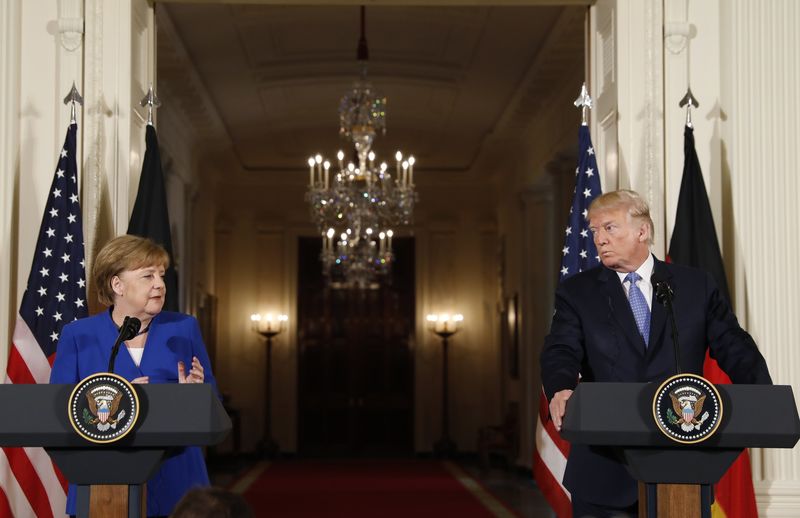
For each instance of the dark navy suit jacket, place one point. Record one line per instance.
(85, 348)
(594, 334)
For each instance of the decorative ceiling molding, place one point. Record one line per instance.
(179, 83)
(261, 80)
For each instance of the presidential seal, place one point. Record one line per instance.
(687, 408)
(103, 408)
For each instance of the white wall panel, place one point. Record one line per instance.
(9, 141)
(759, 143)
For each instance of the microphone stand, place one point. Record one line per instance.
(130, 326)
(664, 295)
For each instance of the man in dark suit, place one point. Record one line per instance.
(608, 328)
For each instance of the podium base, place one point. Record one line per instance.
(111, 501)
(674, 500)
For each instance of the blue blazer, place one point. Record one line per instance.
(594, 334)
(85, 348)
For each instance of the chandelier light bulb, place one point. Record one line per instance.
(369, 231)
(255, 317)
(398, 156)
(326, 165)
(331, 233)
(340, 155)
(411, 160)
(371, 156)
(351, 167)
(382, 235)
(384, 167)
(389, 233)
(311, 162)
(318, 159)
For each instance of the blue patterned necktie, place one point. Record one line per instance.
(641, 311)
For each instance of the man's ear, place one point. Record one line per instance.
(644, 232)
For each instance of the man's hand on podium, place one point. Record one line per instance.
(558, 405)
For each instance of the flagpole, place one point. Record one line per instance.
(584, 102)
(73, 97)
(578, 254)
(55, 295)
(150, 101)
(688, 100)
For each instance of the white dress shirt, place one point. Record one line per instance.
(645, 271)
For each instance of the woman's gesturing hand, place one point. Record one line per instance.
(195, 374)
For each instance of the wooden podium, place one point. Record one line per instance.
(111, 478)
(672, 475)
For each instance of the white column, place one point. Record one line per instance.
(120, 64)
(9, 172)
(691, 58)
(602, 58)
(47, 57)
(639, 61)
(539, 273)
(760, 67)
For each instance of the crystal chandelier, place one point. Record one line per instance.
(358, 205)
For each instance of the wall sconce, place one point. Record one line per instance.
(268, 326)
(445, 326)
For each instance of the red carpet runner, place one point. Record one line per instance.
(361, 488)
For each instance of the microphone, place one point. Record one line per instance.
(664, 291)
(129, 329)
(664, 295)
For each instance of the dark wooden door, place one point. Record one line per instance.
(355, 362)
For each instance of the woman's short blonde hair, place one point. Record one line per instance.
(124, 253)
(626, 199)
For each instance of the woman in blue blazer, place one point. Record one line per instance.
(129, 277)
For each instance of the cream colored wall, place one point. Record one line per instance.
(760, 68)
(742, 66)
(107, 49)
(255, 241)
(10, 42)
(457, 272)
(39, 65)
(532, 224)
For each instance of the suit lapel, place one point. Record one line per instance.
(621, 308)
(658, 314)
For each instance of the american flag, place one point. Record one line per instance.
(578, 254)
(30, 485)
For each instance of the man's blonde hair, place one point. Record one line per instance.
(635, 205)
(124, 253)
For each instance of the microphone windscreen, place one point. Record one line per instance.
(130, 327)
